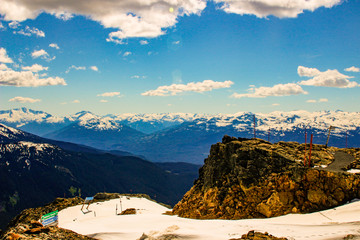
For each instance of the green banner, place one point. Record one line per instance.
(49, 215)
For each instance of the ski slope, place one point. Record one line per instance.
(103, 223)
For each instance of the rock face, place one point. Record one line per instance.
(252, 178)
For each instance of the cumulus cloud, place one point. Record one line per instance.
(144, 42)
(126, 54)
(94, 68)
(275, 104)
(352, 69)
(276, 90)
(24, 100)
(3, 67)
(35, 68)
(42, 54)
(109, 94)
(174, 89)
(1, 25)
(103, 101)
(76, 101)
(75, 68)
(278, 8)
(307, 72)
(14, 24)
(27, 79)
(54, 45)
(131, 18)
(31, 31)
(311, 101)
(323, 100)
(329, 78)
(4, 58)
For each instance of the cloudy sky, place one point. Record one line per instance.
(155, 56)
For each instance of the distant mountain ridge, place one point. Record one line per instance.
(34, 170)
(185, 137)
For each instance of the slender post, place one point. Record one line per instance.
(327, 140)
(305, 148)
(346, 133)
(311, 141)
(254, 126)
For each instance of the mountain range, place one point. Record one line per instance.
(184, 137)
(34, 171)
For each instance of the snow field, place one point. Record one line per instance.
(103, 223)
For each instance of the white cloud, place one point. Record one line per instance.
(76, 101)
(275, 104)
(352, 69)
(276, 90)
(176, 42)
(27, 79)
(311, 101)
(94, 68)
(323, 100)
(307, 72)
(329, 78)
(144, 42)
(126, 54)
(104, 101)
(24, 100)
(278, 8)
(75, 67)
(31, 31)
(174, 89)
(3, 67)
(14, 24)
(54, 45)
(1, 25)
(42, 54)
(35, 68)
(131, 18)
(138, 77)
(109, 94)
(4, 57)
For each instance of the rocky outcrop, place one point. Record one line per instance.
(27, 226)
(252, 178)
(252, 235)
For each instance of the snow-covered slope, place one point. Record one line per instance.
(276, 121)
(103, 223)
(188, 137)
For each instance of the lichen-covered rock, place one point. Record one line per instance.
(252, 178)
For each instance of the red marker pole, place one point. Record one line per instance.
(305, 148)
(311, 140)
(346, 133)
(254, 126)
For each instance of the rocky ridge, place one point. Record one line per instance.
(252, 178)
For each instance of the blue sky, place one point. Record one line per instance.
(221, 56)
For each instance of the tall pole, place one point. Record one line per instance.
(311, 140)
(346, 133)
(305, 148)
(254, 126)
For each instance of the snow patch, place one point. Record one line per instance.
(103, 223)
